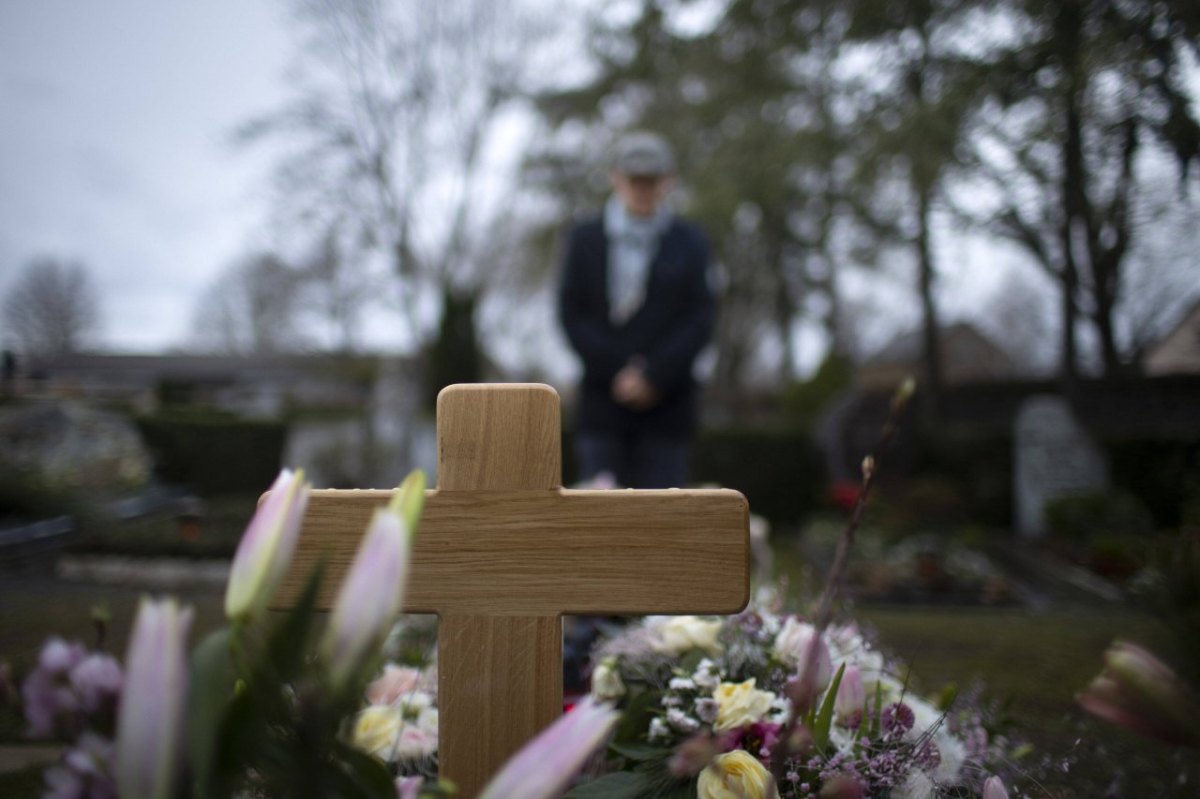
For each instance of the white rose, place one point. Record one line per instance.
(606, 680)
(678, 634)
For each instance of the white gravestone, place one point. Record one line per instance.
(1054, 457)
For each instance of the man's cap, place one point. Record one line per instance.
(644, 153)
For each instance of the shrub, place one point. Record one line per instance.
(1099, 516)
(214, 453)
(779, 470)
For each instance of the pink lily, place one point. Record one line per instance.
(544, 767)
(994, 788)
(369, 598)
(267, 546)
(150, 719)
(1138, 691)
(851, 696)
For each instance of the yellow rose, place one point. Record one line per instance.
(739, 704)
(377, 728)
(736, 775)
(678, 634)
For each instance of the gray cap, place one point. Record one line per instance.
(644, 153)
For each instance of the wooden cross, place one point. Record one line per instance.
(504, 551)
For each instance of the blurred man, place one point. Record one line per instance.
(637, 307)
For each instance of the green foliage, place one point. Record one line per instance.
(1091, 517)
(1161, 473)
(1172, 589)
(214, 453)
(780, 469)
(455, 355)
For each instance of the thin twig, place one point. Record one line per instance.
(803, 692)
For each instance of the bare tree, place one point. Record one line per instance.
(253, 308)
(52, 308)
(392, 127)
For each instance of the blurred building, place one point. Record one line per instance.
(968, 356)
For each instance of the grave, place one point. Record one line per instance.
(1053, 457)
(504, 551)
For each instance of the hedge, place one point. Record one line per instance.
(779, 470)
(214, 453)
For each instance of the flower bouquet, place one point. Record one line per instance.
(713, 707)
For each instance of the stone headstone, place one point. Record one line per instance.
(1053, 457)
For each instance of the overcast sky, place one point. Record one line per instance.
(115, 147)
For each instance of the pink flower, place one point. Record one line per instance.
(265, 551)
(368, 600)
(851, 696)
(409, 787)
(544, 767)
(798, 645)
(396, 683)
(994, 788)
(150, 720)
(1138, 691)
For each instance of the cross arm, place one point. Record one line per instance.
(547, 552)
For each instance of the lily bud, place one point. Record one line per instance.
(543, 768)
(266, 549)
(1138, 691)
(851, 695)
(151, 714)
(370, 596)
(994, 788)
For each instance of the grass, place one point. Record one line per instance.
(1036, 663)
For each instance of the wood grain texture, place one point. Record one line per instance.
(499, 437)
(503, 551)
(535, 552)
(499, 685)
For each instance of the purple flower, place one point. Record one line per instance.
(84, 773)
(96, 680)
(151, 715)
(59, 657)
(47, 696)
(898, 718)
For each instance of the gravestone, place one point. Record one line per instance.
(504, 551)
(1053, 457)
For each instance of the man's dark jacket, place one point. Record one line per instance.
(673, 324)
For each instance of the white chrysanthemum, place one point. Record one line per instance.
(917, 785)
